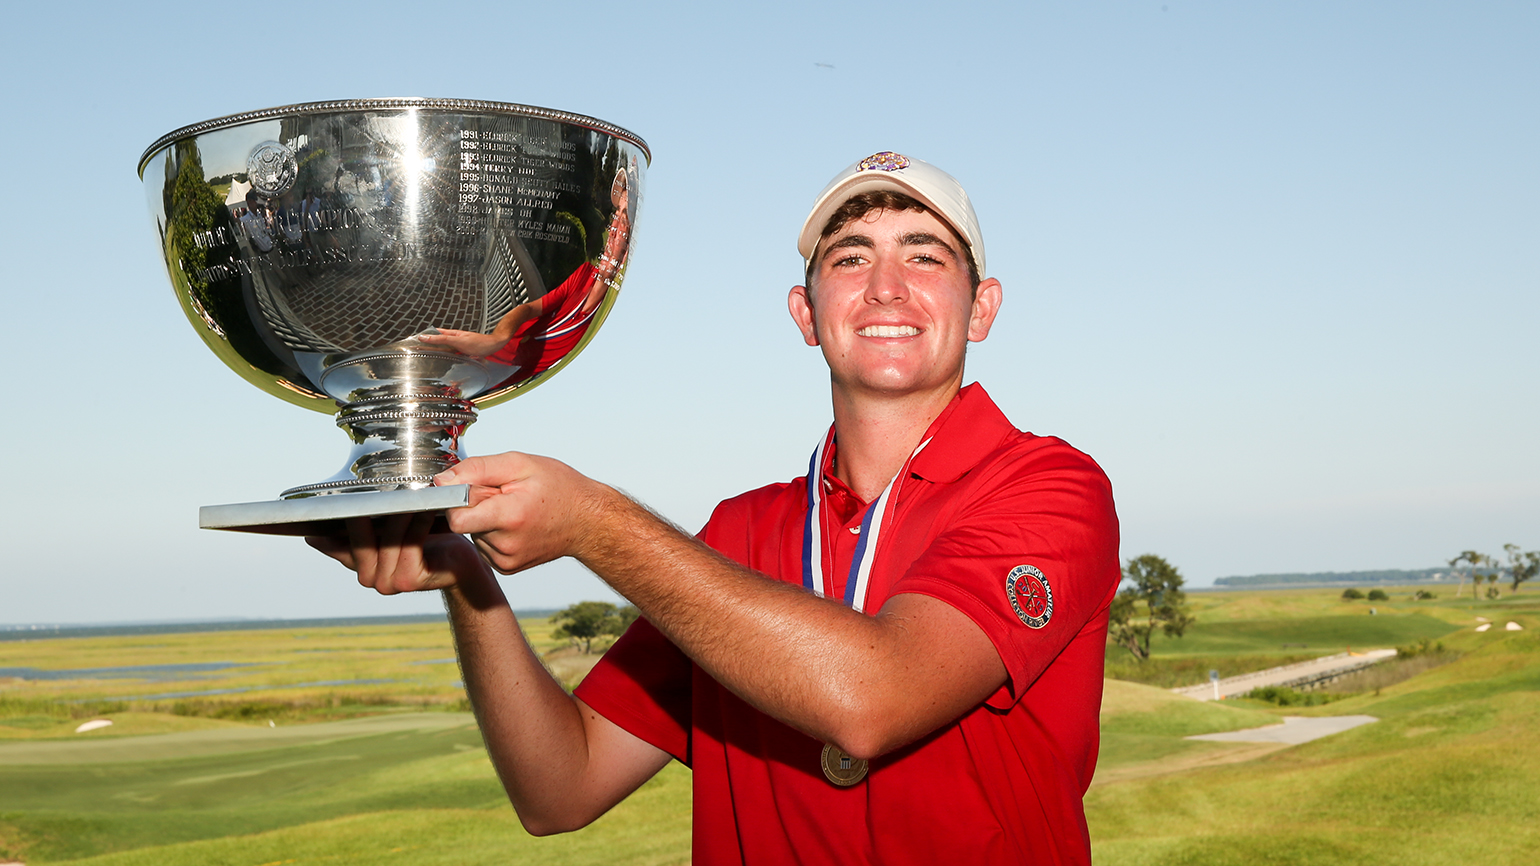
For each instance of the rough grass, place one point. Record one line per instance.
(1130, 708)
(285, 676)
(1283, 696)
(1213, 607)
(1321, 634)
(1141, 725)
(1444, 774)
(197, 779)
(1390, 672)
(1241, 632)
(1167, 671)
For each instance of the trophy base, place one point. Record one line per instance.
(327, 515)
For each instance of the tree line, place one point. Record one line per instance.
(1519, 566)
(1152, 601)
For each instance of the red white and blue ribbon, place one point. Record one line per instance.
(877, 514)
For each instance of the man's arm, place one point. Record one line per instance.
(562, 764)
(866, 684)
(479, 345)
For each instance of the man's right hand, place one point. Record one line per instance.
(472, 343)
(397, 553)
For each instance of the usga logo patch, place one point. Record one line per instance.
(1030, 595)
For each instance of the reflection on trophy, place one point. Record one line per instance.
(400, 262)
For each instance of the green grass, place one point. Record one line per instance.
(1446, 776)
(1241, 632)
(651, 827)
(297, 675)
(1253, 605)
(1326, 634)
(1129, 708)
(66, 801)
(1174, 671)
(1141, 723)
(389, 772)
(96, 801)
(183, 771)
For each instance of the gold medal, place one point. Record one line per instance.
(840, 768)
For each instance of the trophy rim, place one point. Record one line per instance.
(431, 103)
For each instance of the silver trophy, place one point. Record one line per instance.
(401, 263)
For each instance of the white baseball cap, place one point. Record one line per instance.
(937, 190)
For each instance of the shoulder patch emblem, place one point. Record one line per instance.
(1030, 595)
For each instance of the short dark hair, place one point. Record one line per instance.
(863, 203)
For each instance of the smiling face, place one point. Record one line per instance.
(893, 307)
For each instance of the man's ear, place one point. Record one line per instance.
(986, 305)
(801, 307)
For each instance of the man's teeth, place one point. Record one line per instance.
(888, 331)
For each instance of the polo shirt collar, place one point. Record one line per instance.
(964, 433)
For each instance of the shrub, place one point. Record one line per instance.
(1423, 595)
(11, 707)
(1409, 662)
(1351, 594)
(1284, 696)
(1378, 595)
(1420, 648)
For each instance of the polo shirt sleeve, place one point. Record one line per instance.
(1044, 509)
(642, 684)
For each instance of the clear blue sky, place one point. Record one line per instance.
(1275, 266)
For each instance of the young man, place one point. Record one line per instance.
(896, 659)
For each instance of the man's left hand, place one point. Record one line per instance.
(525, 510)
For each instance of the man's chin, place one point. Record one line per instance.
(899, 384)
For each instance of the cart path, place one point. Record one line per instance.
(1299, 672)
(1293, 731)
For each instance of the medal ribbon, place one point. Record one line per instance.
(858, 582)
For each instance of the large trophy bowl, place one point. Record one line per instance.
(400, 263)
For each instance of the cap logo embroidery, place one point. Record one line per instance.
(885, 161)
(1030, 596)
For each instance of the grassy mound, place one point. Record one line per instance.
(1142, 729)
(1444, 775)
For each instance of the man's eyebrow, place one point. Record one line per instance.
(926, 239)
(851, 241)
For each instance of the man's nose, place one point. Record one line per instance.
(887, 283)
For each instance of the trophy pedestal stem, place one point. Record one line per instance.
(399, 443)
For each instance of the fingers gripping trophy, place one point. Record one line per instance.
(401, 263)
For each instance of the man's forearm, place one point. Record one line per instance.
(866, 684)
(859, 683)
(537, 735)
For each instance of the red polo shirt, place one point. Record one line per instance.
(546, 339)
(1014, 530)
